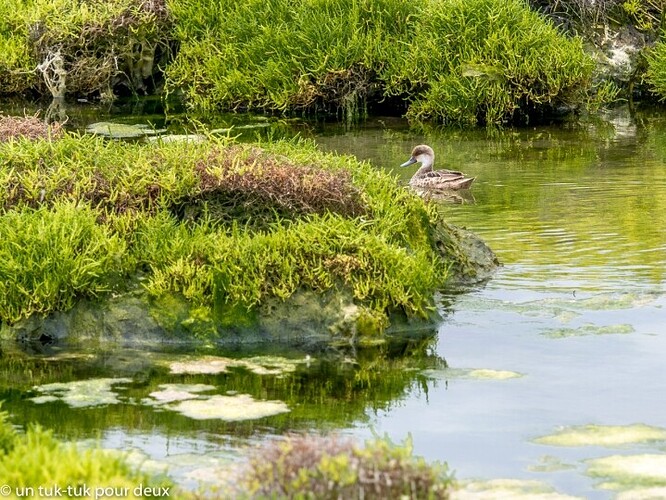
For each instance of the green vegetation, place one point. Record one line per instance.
(656, 73)
(284, 55)
(452, 61)
(224, 226)
(37, 459)
(317, 467)
(68, 47)
(484, 60)
(50, 259)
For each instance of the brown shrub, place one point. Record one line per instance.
(30, 127)
(254, 177)
(331, 468)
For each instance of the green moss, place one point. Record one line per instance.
(81, 217)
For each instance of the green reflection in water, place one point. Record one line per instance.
(579, 203)
(320, 391)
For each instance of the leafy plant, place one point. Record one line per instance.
(488, 61)
(326, 467)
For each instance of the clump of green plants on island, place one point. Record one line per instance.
(656, 74)
(223, 225)
(36, 459)
(328, 467)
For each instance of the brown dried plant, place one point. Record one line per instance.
(253, 177)
(29, 127)
(333, 468)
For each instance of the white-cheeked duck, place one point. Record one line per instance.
(426, 177)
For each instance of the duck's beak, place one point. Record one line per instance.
(409, 162)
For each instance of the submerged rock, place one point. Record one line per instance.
(307, 319)
(472, 259)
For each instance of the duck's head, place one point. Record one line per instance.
(421, 154)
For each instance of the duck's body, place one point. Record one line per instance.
(427, 178)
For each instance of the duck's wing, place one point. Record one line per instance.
(461, 183)
(447, 175)
(442, 174)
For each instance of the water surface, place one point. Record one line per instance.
(570, 332)
(577, 215)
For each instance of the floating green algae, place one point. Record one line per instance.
(487, 374)
(259, 365)
(170, 393)
(588, 329)
(564, 308)
(81, 393)
(550, 463)
(514, 489)
(178, 138)
(234, 408)
(121, 130)
(655, 493)
(627, 472)
(471, 373)
(603, 435)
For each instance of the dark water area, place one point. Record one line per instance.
(551, 373)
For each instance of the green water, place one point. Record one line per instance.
(577, 214)
(570, 332)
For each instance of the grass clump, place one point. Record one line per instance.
(490, 62)
(221, 269)
(283, 55)
(454, 61)
(16, 61)
(36, 458)
(251, 177)
(656, 73)
(323, 467)
(225, 226)
(49, 259)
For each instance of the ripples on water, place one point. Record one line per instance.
(578, 217)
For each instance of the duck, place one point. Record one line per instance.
(426, 177)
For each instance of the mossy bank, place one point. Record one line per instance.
(453, 61)
(208, 235)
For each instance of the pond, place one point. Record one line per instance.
(539, 375)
